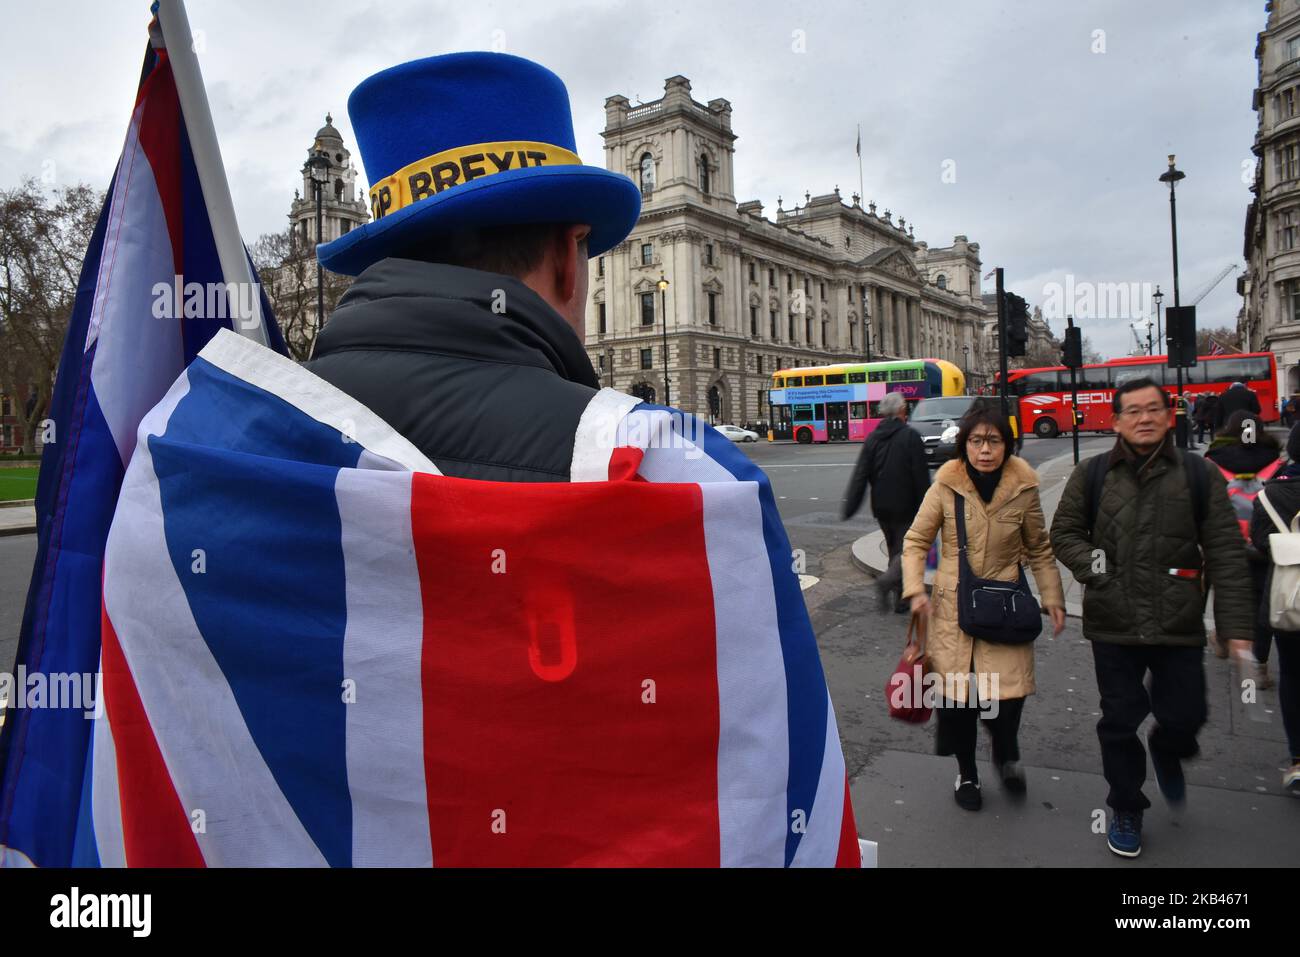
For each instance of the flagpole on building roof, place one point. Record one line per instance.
(862, 196)
(235, 267)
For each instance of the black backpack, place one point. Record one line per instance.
(1194, 468)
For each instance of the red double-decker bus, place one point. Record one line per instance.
(1044, 394)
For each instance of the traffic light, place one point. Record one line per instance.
(1017, 325)
(1072, 353)
(1180, 336)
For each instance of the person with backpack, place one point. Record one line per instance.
(892, 462)
(1146, 528)
(1276, 518)
(1248, 456)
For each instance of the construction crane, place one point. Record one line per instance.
(1213, 282)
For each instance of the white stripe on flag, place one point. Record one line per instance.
(182, 688)
(314, 396)
(593, 442)
(753, 739)
(819, 845)
(138, 356)
(105, 800)
(382, 649)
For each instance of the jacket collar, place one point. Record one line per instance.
(1017, 475)
(409, 306)
(1123, 452)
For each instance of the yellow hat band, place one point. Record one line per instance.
(441, 171)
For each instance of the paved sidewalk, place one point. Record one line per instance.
(17, 518)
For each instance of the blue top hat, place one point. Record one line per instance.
(473, 139)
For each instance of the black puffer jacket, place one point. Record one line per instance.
(484, 393)
(892, 462)
(1233, 400)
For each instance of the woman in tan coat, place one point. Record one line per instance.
(1004, 528)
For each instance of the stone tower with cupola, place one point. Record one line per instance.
(343, 206)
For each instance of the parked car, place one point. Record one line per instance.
(936, 419)
(737, 434)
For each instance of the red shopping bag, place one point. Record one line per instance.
(905, 688)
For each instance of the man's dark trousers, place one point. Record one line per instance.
(1177, 699)
(892, 579)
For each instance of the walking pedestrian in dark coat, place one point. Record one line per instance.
(1238, 398)
(892, 462)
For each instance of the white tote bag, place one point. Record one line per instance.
(1284, 592)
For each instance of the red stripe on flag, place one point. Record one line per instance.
(850, 855)
(155, 826)
(552, 615)
(160, 138)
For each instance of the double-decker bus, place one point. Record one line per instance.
(1044, 393)
(837, 403)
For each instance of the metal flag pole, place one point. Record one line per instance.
(235, 267)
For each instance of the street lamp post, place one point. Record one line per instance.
(663, 307)
(320, 172)
(1158, 297)
(1171, 176)
(965, 364)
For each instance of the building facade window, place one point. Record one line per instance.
(647, 174)
(1286, 229)
(647, 309)
(708, 253)
(1291, 300)
(600, 266)
(647, 359)
(1287, 106)
(600, 318)
(758, 364)
(772, 319)
(753, 321)
(771, 278)
(713, 308)
(751, 272)
(647, 254)
(1286, 161)
(717, 358)
(1293, 48)
(704, 173)
(791, 328)
(942, 283)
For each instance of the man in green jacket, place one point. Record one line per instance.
(1132, 530)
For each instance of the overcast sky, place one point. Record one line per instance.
(1056, 117)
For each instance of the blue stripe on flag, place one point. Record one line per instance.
(267, 526)
(806, 695)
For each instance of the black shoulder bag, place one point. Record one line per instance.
(1005, 613)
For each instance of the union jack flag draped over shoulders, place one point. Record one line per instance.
(320, 651)
(165, 269)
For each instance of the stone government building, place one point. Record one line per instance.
(1270, 317)
(828, 281)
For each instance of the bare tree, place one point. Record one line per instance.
(1230, 339)
(287, 268)
(43, 241)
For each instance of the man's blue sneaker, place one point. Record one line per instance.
(1125, 836)
(1169, 776)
